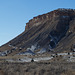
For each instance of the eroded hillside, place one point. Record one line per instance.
(51, 32)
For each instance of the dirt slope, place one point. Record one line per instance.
(52, 31)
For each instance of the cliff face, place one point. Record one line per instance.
(49, 16)
(54, 31)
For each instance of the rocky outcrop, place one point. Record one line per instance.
(65, 13)
(54, 31)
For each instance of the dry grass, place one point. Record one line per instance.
(38, 68)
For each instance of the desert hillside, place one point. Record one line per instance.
(46, 47)
(53, 31)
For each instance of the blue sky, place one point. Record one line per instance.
(14, 14)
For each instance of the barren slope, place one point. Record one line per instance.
(52, 31)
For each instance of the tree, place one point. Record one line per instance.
(32, 60)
